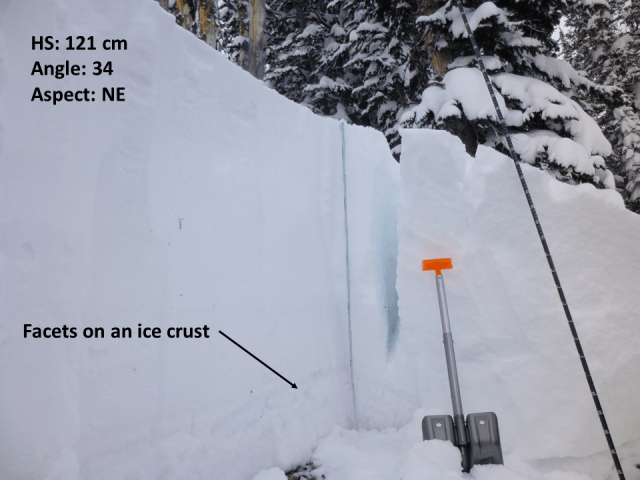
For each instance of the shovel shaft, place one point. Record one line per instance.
(452, 371)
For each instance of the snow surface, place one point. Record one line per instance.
(207, 198)
(400, 454)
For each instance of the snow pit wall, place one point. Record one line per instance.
(514, 349)
(203, 199)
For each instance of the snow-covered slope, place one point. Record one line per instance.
(203, 199)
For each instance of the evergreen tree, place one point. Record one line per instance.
(297, 32)
(257, 39)
(234, 37)
(604, 41)
(361, 60)
(549, 128)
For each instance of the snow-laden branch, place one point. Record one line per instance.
(475, 17)
(547, 123)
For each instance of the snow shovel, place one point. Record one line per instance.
(478, 439)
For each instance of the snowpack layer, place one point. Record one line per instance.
(203, 199)
(515, 352)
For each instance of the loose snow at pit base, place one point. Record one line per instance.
(207, 198)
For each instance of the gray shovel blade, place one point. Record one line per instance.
(484, 439)
(438, 427)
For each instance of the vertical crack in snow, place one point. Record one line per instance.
(346, 233)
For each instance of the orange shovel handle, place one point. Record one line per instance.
(437, 264)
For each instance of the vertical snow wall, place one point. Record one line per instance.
(203, 199)
(514, 350)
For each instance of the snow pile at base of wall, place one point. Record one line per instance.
(202, 199)
(514, 349)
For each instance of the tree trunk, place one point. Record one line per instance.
(242, 13)
(302, 22)
(257, 38)
(184, 17)
(207, 26)
(440, 59)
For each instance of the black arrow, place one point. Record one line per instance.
(293, 385)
